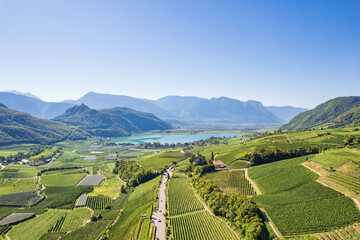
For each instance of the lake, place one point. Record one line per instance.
(172, 138)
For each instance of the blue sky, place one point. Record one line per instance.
(298, 53)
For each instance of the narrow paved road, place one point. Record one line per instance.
(160, 218)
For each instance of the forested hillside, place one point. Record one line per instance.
(18, 127)
(337, 112)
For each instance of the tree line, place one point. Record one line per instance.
(133, 173)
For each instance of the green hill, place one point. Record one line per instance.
(113, 122)
(19, 127)
(337, 112)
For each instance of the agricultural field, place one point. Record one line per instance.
(188, 217)
(21, 199)
(133, 204)
(200, 225)
(238, 164)
(82, 200)
(110, 187)
(91, 180)
(17, 185)
(160, 160)
(42, 222)
(181, 198)
(68, 199)
(98, 202)
(232, 182)
(291, 195)
(16, 217)
(62, 179)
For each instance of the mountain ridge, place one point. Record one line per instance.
(114, 122)
(336, 112)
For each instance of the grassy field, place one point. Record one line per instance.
(62, 179)
(109, 187)
(296, 203)
(232, 182)
(181, 198)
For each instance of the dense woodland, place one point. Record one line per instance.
(132, 173)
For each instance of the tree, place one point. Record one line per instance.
(212, 156)
(122, 189)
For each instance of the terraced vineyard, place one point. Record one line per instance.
(181, 197)
(98, 202)
(200, 225)
(348, 181)
(232, 182)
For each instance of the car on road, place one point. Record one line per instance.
(159, 220)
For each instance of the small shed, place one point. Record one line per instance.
(219, 165)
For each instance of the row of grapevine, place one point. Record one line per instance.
(68, 199)
(200, 225)
(350, 232)
(232, 182)
(181, 197)
(4, 229)
(98, 202)
(57, 226)
(348, 181)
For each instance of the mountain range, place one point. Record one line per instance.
(113, 122)
(174, 109)
(337, 112)
(19, 127)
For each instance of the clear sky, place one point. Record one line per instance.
(281, 52)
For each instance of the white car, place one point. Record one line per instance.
(159, 220)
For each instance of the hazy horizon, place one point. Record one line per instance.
(280, 53)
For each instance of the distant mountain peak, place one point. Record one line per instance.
(28, 94)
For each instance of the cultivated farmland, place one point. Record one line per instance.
(82, 200)
(200, 225)
(296, 203)
(232, 182)
(15, 218)
(21, 199)
(181, 197)
(92, 180)
(98, 202)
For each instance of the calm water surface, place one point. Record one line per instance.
(172, 138)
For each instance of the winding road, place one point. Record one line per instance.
(160, 218)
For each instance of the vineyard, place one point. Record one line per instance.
(347, 181)
(296, 203)
(200, 225)
(57, 226)
(98, 202)
(181, 197)
(4, 229)
(68, 199)
(350, 232)
(232, 182)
